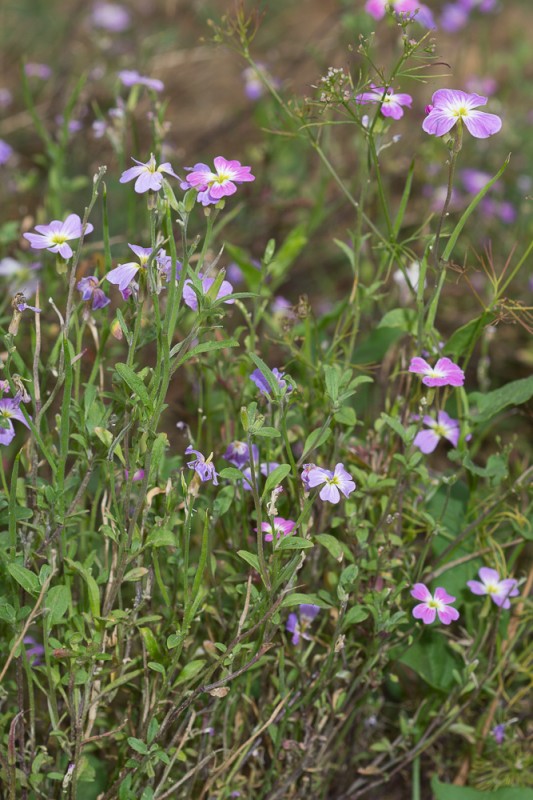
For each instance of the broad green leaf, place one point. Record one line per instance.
(447, 791)
(161, 537)
(189, 671)
(135, 574)
(298, 598)
(138, 745)
(250, 559)
(57, 602)
(316, 439)
(345, 416)
(375, 347)
(489, 404)
(231, 473)
(266, 432)
(134, 382)
(294, 543)
(275, 478)
(331, 544)
(28, 580)
(464, 338)
(431, 659)
(355, 615)
(403, 318)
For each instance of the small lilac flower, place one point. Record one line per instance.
(334, 482)
(451, 105)
(499, 733)
(214, 186)
(391, 102)
(262, 384)
(56, 234)
(503, 210)
(454, 17)
(73, 126)
(34, 651)
(90, 290)
(4, 386)
(444, 427)
(307, 612)
(148, 175)
(238, 453)
(6, 151)
(111, 17)
(189, 295)
(123, 275)
(433, 604)
(486, 86)
(25, 307)
(281, 527)
(444, 373)
(10, 409)
(498, 590)
(203, 467)
(306, 469)
(421, 13)
(253, 85)
(130, 77)
(6, 98)
(34, 70)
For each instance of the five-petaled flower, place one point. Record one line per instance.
(149, 176)
(391, 103)
(90, 291)
(190, 297)
(448, 106)
(433, 604)
(281, 527)
(56, 234)
(444, 427)
(203, 467)
(10, 409)
(298, 627)
(334, 482)
(498, 590)
(214, 186)
(444, 373)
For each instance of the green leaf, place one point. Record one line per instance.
(316, 439)
(134, 382)
(161, 537)
(375, 347)
(275, 478)
(331, 544)
(203, 347)
(250, 559)
(345, 416)
(491, 403)
(252, 275)
(223, 501)
(355, 615)
(403, 318)
(298, 598)
(57, 602)
(431, 659)
(28, 580)
(189, 671)
(268, 433)
(267, 374)
(231, 473)
(287, 253)
(135, 574)
(294, 543)
(138, 745)
(465, 337)
(447, 791)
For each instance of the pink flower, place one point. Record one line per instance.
(214, 186)
(498, 591)
(149, 175)
(444, 427)
(451, 105)
(334, 482)
(130, 77)
(444, 373)
(282, 527)
(420, 12)
(54, 237)
(391, 103)
(433, 604)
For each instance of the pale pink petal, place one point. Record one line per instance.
(482, 125)
(476, 587)
(425, 613)
(131, 173)
(421, 592)
(419, 365)
(448, 614)
(438, 122)
(426, 441)
(442, 595)
(488, 575)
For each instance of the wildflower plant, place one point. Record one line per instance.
(236, 558)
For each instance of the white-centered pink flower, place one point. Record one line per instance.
(421, 13)
(449, 106)
(498, 590)
(213, 186)
(444, 427)
(391, 103)
(54, 237)
(281, 527)
(433, 605)
(444, 373)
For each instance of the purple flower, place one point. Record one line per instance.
(307, 613)
(443, 427)
(214, 186)
(203, 467)
(281, 527)
(34, 651)
(123, 275)
(334, 482)
(138, 475)
(130, 77)
(6, 151)
(253, 85)
(111, 17)
(391, 103)
(238, 453)
(90, 290)
(149, 176)
(306, 469)
(499, 733)
(189, 295)
(34, 70)
(10, 409)
(444, 373)
(498, 590)
(420, 12)
(6, 98)
(25, 307)
(451, 105)
(262, 384)
(433, 604)
(54, 237)
(454, 17)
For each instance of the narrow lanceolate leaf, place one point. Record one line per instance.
(134, 382)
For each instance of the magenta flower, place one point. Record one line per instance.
(444, 427)
(130, 77)
(433, 604)
(10, 409)
(149, 177)
(90, 291)
(444, 373)
(334, 482)
(421, 13)
(262, 384)
(138, 475)
(214, 186)
(298, 627)
(111, 17)
(391, 103)
(499, 733)
(203, 467)
(189, 295)
(238, 453)
(450, 105)
(54, 237)
(281, 527)
(34, 70)
(498, 590)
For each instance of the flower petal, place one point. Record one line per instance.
(482, 125)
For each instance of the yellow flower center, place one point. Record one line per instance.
(462, 111)
(59, 238)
